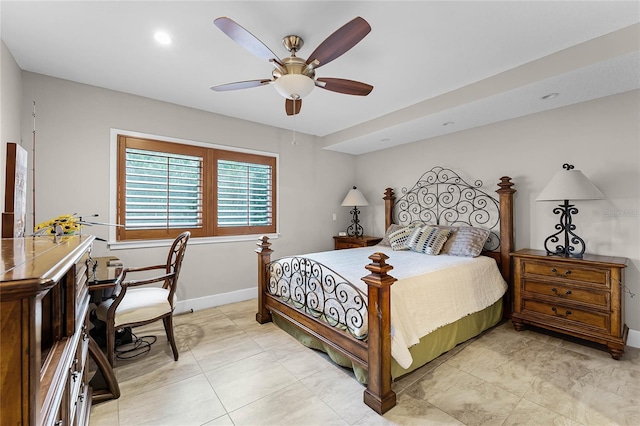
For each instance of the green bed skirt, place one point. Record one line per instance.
(430, 347)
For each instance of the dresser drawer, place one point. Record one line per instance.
(584, 274)
(569, 315)
(81, 277)
(78, 382)
(598, 299)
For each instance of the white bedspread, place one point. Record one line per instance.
(431, 291)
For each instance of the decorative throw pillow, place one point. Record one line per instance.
(392, 228)
(466, 241)
(428, 239)
(398, 239)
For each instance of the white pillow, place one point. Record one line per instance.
(465, 241)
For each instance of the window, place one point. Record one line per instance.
(165, 188)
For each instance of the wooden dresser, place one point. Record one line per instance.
(346, 242)
(44, 330)
(579, 297)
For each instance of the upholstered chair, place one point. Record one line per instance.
(137, 303)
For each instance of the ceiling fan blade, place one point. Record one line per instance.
(239, 85)
(244, 38)
(340, 41)
(290, 104)
(340, 85)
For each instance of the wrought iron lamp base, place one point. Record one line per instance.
(573, 245)
(355, 230)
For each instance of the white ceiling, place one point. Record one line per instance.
(430, 62)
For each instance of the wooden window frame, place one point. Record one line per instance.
(245, 158)
(209, 184)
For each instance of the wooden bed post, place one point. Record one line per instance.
(507, 243)
(264, 258)
(389, 202)
(379, 395)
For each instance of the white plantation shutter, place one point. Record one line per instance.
(244, 194)
(163, 190)
(167, 187)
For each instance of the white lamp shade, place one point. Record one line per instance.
(354, 198)
(570, 185)
(294, 86)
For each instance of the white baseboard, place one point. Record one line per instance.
(634, 339)
(199, 303)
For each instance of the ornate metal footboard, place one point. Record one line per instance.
(319, 291)
(297, 294)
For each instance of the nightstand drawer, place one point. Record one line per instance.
(346, 242)
(598, 276)
(345, 245)
(594, 319)
(589, 296)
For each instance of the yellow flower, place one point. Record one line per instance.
(68, 223)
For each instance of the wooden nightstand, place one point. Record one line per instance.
(353, 242)
(579, 297)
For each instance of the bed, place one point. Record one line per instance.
(324, 300)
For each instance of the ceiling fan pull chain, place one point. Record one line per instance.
(294, 142)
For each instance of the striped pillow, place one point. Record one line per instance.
(428, 239)
(398, 239)
(392, 228)
(467, 241)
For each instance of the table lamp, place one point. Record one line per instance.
(355, 199)
(567, 184)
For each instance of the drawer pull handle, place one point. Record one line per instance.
(566, 314)
(555, 271)
(555, 291)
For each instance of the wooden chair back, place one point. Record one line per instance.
(174, 262)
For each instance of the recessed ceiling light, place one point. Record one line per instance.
(550, 96)
(448, 123)
(162, 37)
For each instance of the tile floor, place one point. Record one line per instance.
(233, 371)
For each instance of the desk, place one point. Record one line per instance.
(105, 272)
(103, 276)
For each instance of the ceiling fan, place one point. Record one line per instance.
(294, 77)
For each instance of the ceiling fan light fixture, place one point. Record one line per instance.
(162, 37)
(294, 86)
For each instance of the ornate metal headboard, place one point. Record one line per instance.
(442, 197)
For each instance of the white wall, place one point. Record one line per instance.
(601, 138)
(72, 176)
(10, 106)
